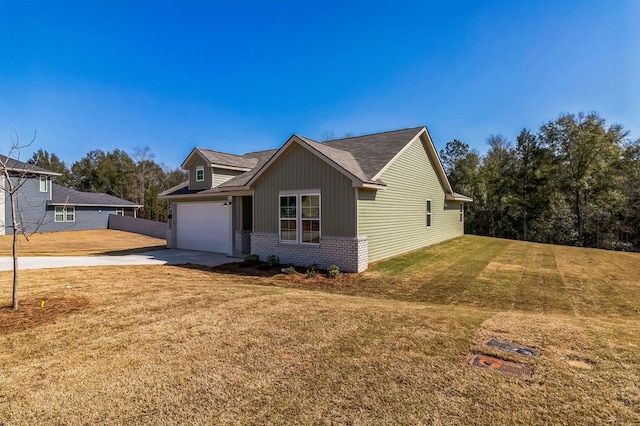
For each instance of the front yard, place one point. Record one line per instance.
(81, 243)
(167, 345)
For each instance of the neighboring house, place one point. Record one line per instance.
(347, 202)
(44, 206)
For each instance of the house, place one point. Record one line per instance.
(347, 202)
(45, 206)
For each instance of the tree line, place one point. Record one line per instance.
(136, 177)
(576, 181)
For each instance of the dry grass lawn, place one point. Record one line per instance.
(81, 243)
(178, 345)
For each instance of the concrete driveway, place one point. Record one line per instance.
(159, 257)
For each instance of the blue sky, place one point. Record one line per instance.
(241, 76)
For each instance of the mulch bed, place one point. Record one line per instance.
(262, 269)
(31, 313)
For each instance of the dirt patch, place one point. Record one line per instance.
(491, 363)
(35, 312)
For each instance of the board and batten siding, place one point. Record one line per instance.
(300, 169)
(394, 219)
(220, 176)
(208, 174)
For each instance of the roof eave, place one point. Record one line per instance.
(369, 185)
(70, 203)
(458, 197)
(226, 167)
(35, 172)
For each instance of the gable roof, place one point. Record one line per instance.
(61, 195)
(222, 159)
(14, 165)
(361, 158)
(373, 152)
(365, 158)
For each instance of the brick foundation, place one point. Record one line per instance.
(350, 254)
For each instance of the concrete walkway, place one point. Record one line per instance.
(159, 257)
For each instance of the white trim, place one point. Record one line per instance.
(295, 139)
(64, 211)
(294, 219)
(45, 180)
(319, 218)
(372, 186)
(398, 154)
(461, 212)
(196, 151)
(431, 152)
(201, 169)
(125, 206)
(298, 194)
(225, 167)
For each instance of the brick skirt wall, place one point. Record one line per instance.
(243, 242)
(350, 254)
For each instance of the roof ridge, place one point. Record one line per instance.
(220, 152)
(373, 134)
(262, 150)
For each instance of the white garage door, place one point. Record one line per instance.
(203, 226)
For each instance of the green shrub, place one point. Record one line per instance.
(273, 260)
(251, 259)
(312, 271)
(333, 271)
(288, 270)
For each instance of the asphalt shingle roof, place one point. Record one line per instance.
(63, 195)
(19, 166)
(362, 156)
(224, 159)
(373, 152)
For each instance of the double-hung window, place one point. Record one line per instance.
(43, 184)
(65, 214)
(300, 218)
(289, 218)
(461, 212)
(199, 173)
(310, 218)
(428, 213)
(119, 211)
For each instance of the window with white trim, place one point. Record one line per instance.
(199, 173)
(428, 213)
(310, 218)
(65, 214)
(300, 218)
(119, 212)
(288, 218)
(461, 212)
(43, 184)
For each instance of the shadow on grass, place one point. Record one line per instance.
(136, 250)
(238, 268)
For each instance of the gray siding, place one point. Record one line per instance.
(208, 174)
(394, 219)
(220, 176)
(299, 169)
(31, 205)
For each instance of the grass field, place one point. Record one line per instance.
(167, 345)
(80, 243)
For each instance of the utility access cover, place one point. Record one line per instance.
(512, 347)
(484, 361)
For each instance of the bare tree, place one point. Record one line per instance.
(14, 174)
